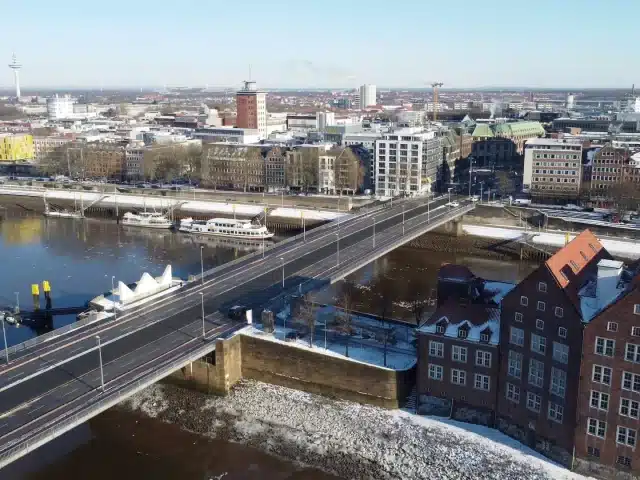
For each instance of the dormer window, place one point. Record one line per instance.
(441, 327)
(485, 335)
(463, 332)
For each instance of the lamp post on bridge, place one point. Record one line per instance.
(282, 260)
(6, 347)
(481, 187)
(202, 264)
(113, 294)
(338, 249)
(202, 304)
(449, 190)
(471, 162)
(100, 359)
(374, 232)
(403, 219)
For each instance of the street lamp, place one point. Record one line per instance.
(471, 162)
(201, 265)
(282, 260)
(6, 346)
(202, 304)
(100, 358)
(338, 249)
(403, 218)
(449, 190)
(17, 302)
(374, 232)
(113, 294)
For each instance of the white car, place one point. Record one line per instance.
(474, 198)
(453, 204)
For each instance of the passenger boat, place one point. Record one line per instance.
(225, 227)
(146, 220)
(62, 214)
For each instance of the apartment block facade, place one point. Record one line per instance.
(552, 168)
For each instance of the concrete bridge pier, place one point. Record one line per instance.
(454, 227)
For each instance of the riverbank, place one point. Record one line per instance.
(344, 438)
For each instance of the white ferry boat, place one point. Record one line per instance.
(225, 227)
(147, 220)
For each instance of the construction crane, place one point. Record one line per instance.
(436, 86)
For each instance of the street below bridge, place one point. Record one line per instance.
(62, 377)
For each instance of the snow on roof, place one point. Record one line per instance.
(476, 319)
(499, 289)
(455, 273)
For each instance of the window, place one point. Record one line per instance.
(562, 332)
(541, 306)
(612, 327)
(593, 452)
(626, 436)
(462, 333)
(539, 324)
(605, 346)
(635, 331)
(524, 301)
(555, 412)
(629, 408)
(458, 377)
(542, 287)
(440, 328)
(515, 364)
(483, 359)
(632, 353)
(561, 352)
(459, 354)
(599, 400)
(631, 382)
(636, 309)
(558, 381)
(481, 382)
(597, 428)
(518, 317)
(538, 344)
(517, 336)
(623, 461)
(513, 393)
(533, 401)
(436, 349)
(536, 372)
(485, 337)
(435, 372)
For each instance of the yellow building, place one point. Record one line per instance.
(16, 147)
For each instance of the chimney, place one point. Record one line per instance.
(609, 272)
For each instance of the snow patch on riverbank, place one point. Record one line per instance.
(349, 439)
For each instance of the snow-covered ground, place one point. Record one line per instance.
(623, 248)
(162, 203)
(350, 440)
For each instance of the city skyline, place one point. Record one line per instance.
(292, 45)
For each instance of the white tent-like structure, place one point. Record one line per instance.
(146, 287)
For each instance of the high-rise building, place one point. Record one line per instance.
(251, 105)
(553, 167)
(367, 96)
(59, 107)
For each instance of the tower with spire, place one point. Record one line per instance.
(15, 66)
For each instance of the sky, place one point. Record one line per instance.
(321, 43)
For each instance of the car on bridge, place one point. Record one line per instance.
(453, 204)
(237, 312)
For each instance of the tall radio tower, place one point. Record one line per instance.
(15, 66)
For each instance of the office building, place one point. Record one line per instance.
(251, 105)
(367, 96)
(608, 170)
(60, 107)
(553, 168)
(227, 134)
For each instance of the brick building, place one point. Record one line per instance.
(541, 344)
(609, 399)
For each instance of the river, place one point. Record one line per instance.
(79, 259)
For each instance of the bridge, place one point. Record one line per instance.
(54, 383)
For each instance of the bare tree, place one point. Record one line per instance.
(384, 292)
(346, 299)
(418, 297)
(307, 316)
(193, 162)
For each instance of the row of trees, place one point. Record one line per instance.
(385, 292)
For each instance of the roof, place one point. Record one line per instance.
(455, 273)
(519, 129)
(476, 318)
(482, 130)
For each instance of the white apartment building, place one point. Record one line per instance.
(60, 107)
(407, 162)
(368, 141)
(326, 174)
(552, 167)
(367, 96)
(134, 158)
